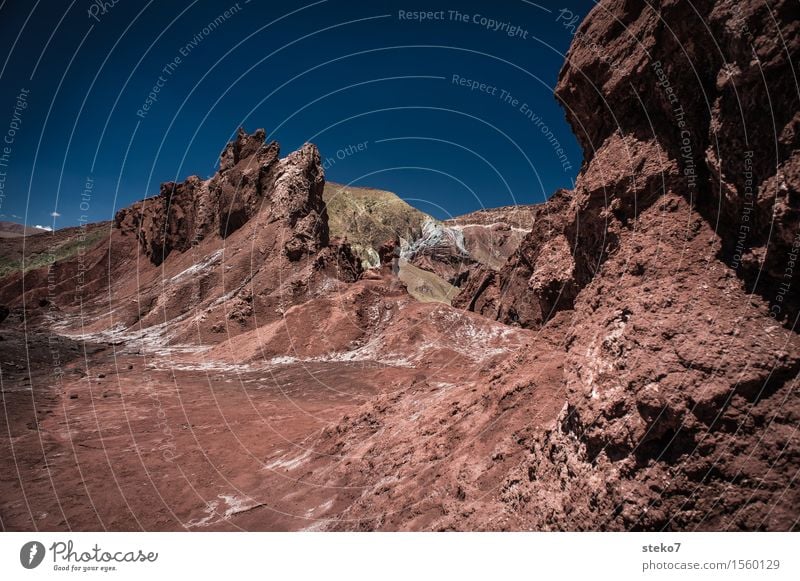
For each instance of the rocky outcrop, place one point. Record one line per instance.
(389, 255)
(227, 253)
(685, 111)
(721, 105)
(251, 178)
(492, 235)
(537, 280)
(658, 392)
(240, 248)
(681, 385)
(477, 242)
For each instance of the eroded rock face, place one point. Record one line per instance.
(247, 174)
(538, 279)
(296, 198)
(723, 106)
(252, 178)
(679, 394)
(714, 115)
(389, 253)
(681, 387)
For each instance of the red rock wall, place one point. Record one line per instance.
(681, 387)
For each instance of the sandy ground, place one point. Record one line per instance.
(153, 446)
(133, 436)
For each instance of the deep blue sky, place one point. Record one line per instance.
(337, 73)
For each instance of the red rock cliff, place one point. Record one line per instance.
(681, 384)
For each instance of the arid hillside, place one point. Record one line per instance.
(15, 230)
